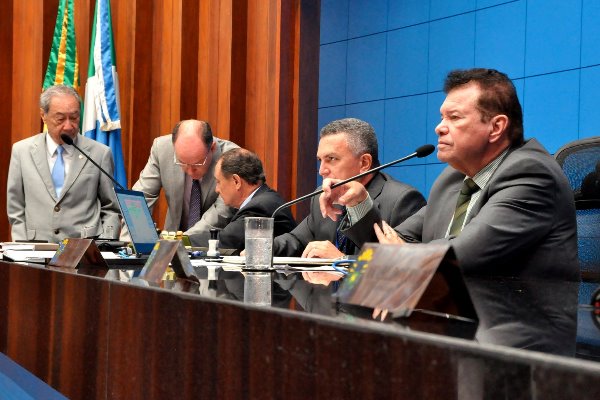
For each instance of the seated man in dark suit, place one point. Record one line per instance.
(515, 214)
(240, 181)
(347, 147)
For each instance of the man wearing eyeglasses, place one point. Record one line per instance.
(53, 192)
(183, 165)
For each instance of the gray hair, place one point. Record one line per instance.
(56, 90)
(360, 136)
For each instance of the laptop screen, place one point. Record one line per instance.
(138, 220)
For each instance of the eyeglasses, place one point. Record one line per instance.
(184, 165)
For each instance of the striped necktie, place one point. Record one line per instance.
(58, 172)
(341, 241)
(462, 204)
(195, 204)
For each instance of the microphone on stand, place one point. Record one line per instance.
(422, 151)
(68, 140)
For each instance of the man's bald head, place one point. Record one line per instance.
(195, 127)
(194, 146)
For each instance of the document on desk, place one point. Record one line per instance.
(29, 255)
(284, 260)
(29, 246)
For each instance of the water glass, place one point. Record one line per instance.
(259, 243)
(257, 288)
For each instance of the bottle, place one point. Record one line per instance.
(163, 235)
(179, 235)
(213, 244)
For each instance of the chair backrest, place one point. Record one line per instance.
(580, 161)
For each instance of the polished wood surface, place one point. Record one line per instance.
(92, 338)
(249, 67)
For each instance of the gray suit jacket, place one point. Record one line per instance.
(87, 206)
(395, 201)
(161, 172)
(523, 223)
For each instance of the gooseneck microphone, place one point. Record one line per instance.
(421, 152)
(68, 140)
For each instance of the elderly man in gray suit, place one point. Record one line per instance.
(503, 203)
(183, 165)
(53, 192)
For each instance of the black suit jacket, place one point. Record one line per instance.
(395, 201)
(262, 204)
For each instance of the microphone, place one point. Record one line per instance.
(420, 152)
(68, 140)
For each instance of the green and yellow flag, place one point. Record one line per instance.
(63, 67)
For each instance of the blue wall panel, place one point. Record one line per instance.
(446, 8)
(590, 33)
(334, 20)
(500, 38)
(367, 17)
(553, 36)
(489, 3)
(407, 58)
(326, 115)
(589, 106)
(406, 13)
(392, 75)
(373, 112)
(552, 108)
(366, 69)
(405, 127)
(332, 74)
(451, 46)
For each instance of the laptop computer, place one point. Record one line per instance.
(138, 219)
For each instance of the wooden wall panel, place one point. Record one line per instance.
(6, 110)
(246, 66)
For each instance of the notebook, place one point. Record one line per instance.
(138, 220)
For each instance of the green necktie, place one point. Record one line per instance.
(468, 188)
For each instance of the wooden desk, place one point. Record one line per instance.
(94, 338)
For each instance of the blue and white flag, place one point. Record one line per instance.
(101, 114)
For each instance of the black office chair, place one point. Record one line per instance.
(580, 160)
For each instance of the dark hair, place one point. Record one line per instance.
(56, 90)
(498, 96)
(360, 135)
(244, 163)
(207, 136)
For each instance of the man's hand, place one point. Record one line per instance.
(350, 194)
(387, 235)
(321, 277)
(323, 249)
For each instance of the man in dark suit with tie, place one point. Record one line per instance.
(503, 203)
(53, 192)
(347, 147)
(241, 183)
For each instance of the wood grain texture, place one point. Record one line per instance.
(100, 339)
(242, 65)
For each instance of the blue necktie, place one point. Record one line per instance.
(58, 172)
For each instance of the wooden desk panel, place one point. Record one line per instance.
(93, 338)
(56, 327)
